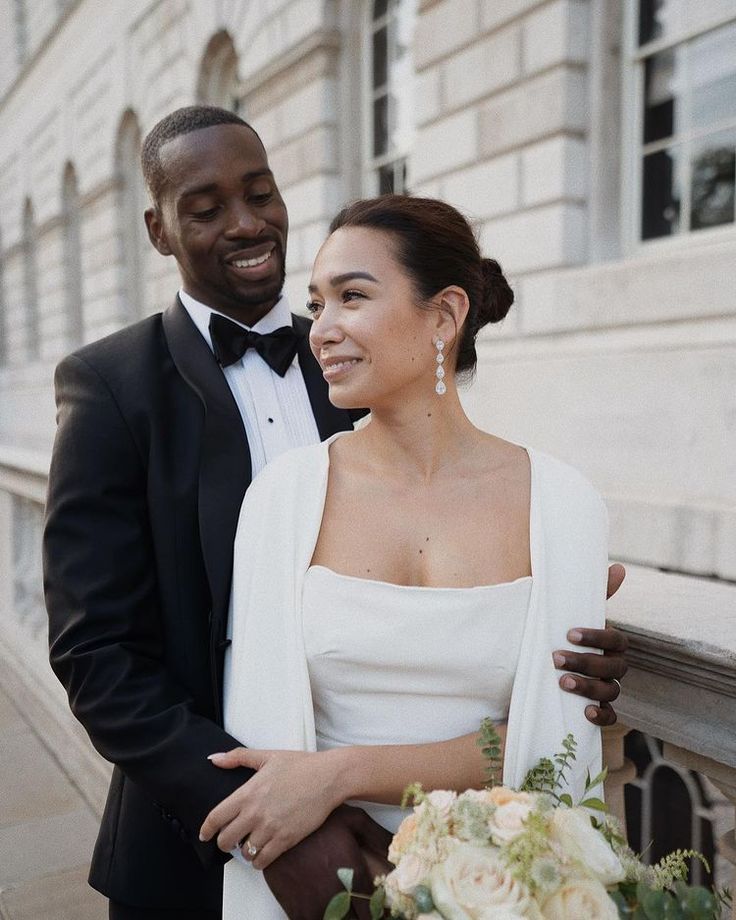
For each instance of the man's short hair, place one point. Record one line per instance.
(181, 121)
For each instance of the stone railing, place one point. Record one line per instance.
(681, 685)
(25, 673)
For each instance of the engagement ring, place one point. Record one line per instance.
(251, 849)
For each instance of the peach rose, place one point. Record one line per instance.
(512, 810)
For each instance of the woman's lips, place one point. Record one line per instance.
(337, 370)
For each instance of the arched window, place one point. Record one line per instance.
(132, 202)
(30, 283)
(389, 95)
(73, 307)
(218, 74)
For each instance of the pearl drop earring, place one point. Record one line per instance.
(440, 387)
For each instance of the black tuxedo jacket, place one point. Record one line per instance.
(148, 472)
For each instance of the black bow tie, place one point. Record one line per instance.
(231, 341)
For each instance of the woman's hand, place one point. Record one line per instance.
(291, 795)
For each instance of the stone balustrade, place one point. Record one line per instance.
(681, 685)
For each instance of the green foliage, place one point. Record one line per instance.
(674, 867)
(489, 741)
(423, 899)
(377, 903)
(541, 778)
(413, 795)
(338, 907)
(346, 877)
(640, 902)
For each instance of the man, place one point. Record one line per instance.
(161, 428)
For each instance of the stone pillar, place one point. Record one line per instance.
(724, 777)
(620, 770)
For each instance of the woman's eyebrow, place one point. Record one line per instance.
(337, 280)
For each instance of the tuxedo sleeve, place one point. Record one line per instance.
(107, 642)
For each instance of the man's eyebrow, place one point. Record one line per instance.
(208, 187)
(337, 280)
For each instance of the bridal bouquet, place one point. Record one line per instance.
(506, 854)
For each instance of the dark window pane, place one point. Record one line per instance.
(380, 126)
(379, 8)
(661, 105)
(380, 58)
(713, 176)
(661, 197)
(659, 19)
(386, 179)
(713, 75)
(400, 181)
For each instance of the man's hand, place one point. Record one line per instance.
(304, 878)
(596, 676)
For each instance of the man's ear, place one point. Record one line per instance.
(156, 231)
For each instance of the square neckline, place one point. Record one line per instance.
(327, 444)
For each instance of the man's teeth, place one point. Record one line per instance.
(250, 263)
(342, 364)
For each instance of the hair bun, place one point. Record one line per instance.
(497, 295)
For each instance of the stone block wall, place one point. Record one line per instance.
(618, 358)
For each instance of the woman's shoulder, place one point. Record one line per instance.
(565, 486)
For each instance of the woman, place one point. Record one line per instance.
(395, 585)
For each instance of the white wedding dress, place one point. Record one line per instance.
(320, 659)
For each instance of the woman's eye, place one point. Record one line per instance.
(352, 295)
(313, 307)
(261, 199)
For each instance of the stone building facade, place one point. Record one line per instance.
(592, 142)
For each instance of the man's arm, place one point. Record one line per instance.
(596, 676)
(105, 628)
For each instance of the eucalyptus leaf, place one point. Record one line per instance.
(594, 803)
(338, 907)
(346, 877)
(566, 799)
(654, 905)
(376, 903)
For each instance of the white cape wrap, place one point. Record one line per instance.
(267, 696)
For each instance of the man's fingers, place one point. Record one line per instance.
(605, 691)
(616, 575)
(608, 639)
(591, 665)
(602, 715)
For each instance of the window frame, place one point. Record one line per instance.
(634, 148)
(371, 164)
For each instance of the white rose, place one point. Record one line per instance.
(473, 884)
(442, 801)
(410, 872)
(581, 842)
(580, 899)
(512, 810)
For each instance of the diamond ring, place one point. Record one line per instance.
(251, 849)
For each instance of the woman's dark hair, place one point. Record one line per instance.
(437, 248)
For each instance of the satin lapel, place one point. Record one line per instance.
(329, 418)
(225, 464)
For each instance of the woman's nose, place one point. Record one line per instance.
(325, 330)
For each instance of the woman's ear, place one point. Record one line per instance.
(453, 306)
